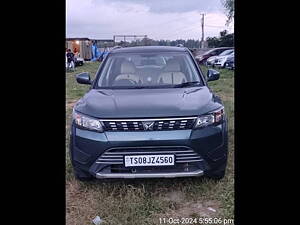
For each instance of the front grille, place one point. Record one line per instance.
(177, 168)
(116, 155)
(149, 124)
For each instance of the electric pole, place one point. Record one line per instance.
(202, 26)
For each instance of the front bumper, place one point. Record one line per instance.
(78, 63)
(209, 143)
(196, 173)
(229, 65)
(219, 64)
(210, 63)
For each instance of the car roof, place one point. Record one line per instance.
(224, 48)
(149, 49)
(228, 50)
(216, 49)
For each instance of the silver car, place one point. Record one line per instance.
(222, 58)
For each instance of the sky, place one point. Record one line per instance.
(158, 19)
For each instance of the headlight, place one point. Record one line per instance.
(214, 117)
(87, 122)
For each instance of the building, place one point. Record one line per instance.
(84, 46)
(81, 45)
(103, 43)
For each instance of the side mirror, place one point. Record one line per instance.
(212, 75)
(83, 78)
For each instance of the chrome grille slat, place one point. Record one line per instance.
(110, 163)
(186, 154)
(189, 161)
(154, 152)
(111, 156)
(191, 157)
(115, 160)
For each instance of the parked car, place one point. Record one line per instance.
(229, 64)
(201, 59)
(213, 59)
(79, 61)
(221, 59)
(149, 113)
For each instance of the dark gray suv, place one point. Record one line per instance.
(149, 114)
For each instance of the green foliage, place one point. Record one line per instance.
(190, 43)
(229, 6)
(225, 40)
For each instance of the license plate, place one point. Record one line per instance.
(149, 160)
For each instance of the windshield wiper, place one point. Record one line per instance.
(187, 84)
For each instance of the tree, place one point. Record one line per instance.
(229, 6)
(225, 40)
(190, 43)
(212, 42)
(223, 33)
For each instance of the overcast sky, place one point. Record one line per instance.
(159, 19)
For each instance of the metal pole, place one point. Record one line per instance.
(202, 26)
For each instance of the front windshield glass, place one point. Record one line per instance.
(148, 70)
(226, 52)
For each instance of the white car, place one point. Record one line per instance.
(79, 61)
(222, 58)
(211, 60)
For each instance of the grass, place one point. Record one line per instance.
(139, 202)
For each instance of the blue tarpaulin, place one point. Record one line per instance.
(96, 54)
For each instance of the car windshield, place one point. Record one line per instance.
(148, 70)
(226, 52)
(210, 52)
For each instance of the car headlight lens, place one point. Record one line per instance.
(87, 122)
(214, 117)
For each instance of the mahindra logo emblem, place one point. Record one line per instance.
(148, 125)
